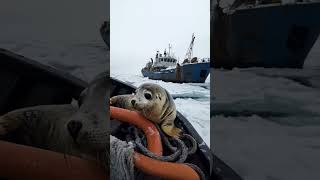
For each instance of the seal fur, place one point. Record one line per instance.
(45, 126)
(154, 103)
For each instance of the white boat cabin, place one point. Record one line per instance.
(164, 60)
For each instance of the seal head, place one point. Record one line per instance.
(88, 127)
(77, 130)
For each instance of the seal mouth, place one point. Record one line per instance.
(92, 141)
(138, 107)
(75, 140)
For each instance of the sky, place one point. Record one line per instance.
(139, 28)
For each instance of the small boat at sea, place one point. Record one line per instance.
(167, 68)
(25, 82)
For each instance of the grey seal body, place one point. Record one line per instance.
(80, 131)
(38, 126)
(154, 103)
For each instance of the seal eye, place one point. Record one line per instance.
(147, 96)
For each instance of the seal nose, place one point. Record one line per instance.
(133, 102)
(74, 128)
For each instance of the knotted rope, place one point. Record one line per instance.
(122, 167)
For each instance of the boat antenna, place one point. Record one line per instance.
(169, 49)
(189, 53)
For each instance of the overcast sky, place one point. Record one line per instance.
(141, 27)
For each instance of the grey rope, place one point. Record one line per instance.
(198, 170)
(177, 146)
(181, 153)
(121, 160)
(193, 148)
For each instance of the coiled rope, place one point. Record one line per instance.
(179, 154)
(151, 157)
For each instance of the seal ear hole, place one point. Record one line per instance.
(147, 96)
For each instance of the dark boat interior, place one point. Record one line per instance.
(24, 82)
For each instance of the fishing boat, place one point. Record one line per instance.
(263, 33)
(25, 82)
(167, 68)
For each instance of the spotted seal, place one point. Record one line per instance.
(154, 103)
(77, 130)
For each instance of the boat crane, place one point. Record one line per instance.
(189, 53)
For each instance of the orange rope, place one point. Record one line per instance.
(167, 170)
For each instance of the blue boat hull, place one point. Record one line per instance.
(273, 36)
(190, 73)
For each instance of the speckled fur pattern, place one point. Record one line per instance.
(45, 126)
(154, 103)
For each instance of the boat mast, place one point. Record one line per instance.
(189, 53)
(169, 49)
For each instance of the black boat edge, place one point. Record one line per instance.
(21, 79)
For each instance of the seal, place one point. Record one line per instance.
(154, 103)
(76, 130)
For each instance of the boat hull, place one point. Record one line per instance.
(189, 73)
(271, 36)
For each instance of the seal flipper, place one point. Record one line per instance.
(169, 128)
(122, 101)
(10, 121)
